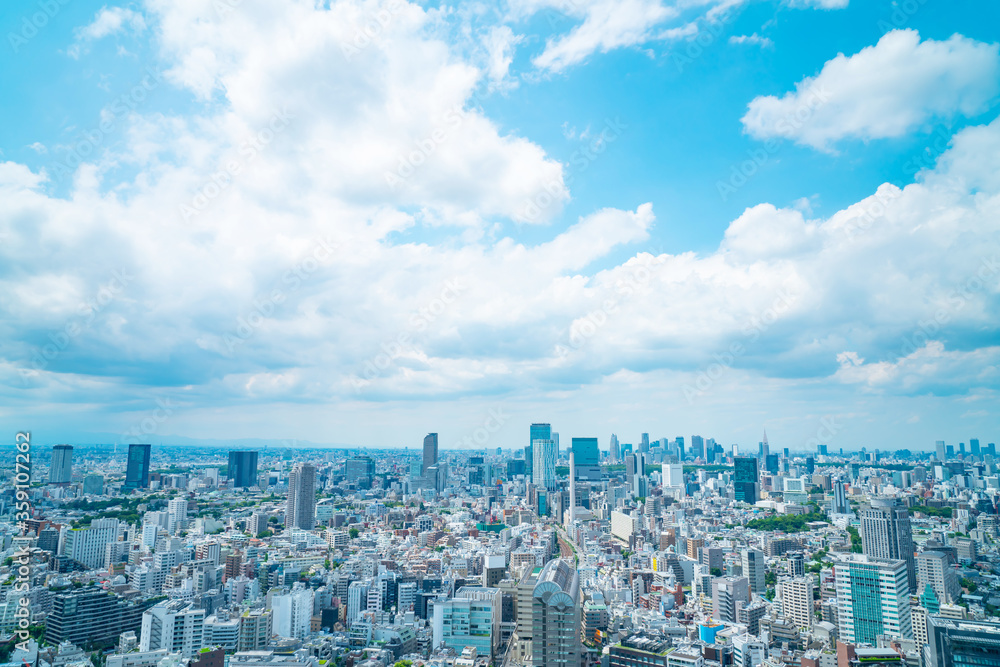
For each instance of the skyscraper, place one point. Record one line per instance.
(754, 569)
(555, 616)
(644, 443)
(933, 570)
(616, 452)
(939, 450)
(543, 468)
(61, 468)
(430, 452)
(243, 469)
(960, 643)
(698, 447)
(974, 446)
(886, 533)
(796, 594)
(137, 468)
(300, 509)
(873, 599)
(745, 479)
(588, 465)
(536, 432)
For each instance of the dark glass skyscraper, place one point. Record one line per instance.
(243, 469)
(430, 452)
(586, 459)
(886, 533)
(137, 469)
(61, 468)
(745, 479)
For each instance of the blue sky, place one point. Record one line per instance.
(253, 219)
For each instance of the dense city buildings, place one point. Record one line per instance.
(645, 557)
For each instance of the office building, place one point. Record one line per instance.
(93, 485)
(87, 546)
(639, 650)
(745, 480)
(729, 596)
(360, 469)
(886, 533)
(873, 599)
(92, 615)
(840, 504)
(255, 630)
(536, 432)
(588, 465)
(430, 452)
(615, 453)
(300, 509)
(242, 470)
(939, 450)
(961, 643)
(175, 625)
(933, 570)
(754, 569)
(544, 466)
(471, 618)
(292, 612)
(61, 467)
(137, 467)
(555, 614)
(796, 595)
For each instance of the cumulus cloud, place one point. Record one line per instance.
(299, 278)
(107, 21)
(883, 91)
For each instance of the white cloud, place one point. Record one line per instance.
(819, 4)
(754, 39)
(883, 91)
(241, 307)
(500, 44)
(107, 21)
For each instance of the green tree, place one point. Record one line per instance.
(353, 532)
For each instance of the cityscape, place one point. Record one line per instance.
(669, 552)
(500, 333)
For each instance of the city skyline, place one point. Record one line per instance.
(712, 216)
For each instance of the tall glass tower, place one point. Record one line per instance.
(243, 469)
(137, 469)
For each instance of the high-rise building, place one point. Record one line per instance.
(873, 599)
(886, 533)
(729, 595)
(292, 612)
(93, 485)
(430, 452)
(176, 514)
(754, 569)
(939, 450)
(933, 570)
(796, 595)
(840, 504)
(745, 478)
(175, 625)
(357, 601)
(544, 466)
(698, 447)
(616, 451)
(87, 545)
(137, 468)
(471, 618)
(61, 468)
(974, 446)
(536, 432)
(300, 509)
(644, 443)
(92, 614)
(359, 468)
(961, 643)
(588, 465)
(242, 470)
(555, 614)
